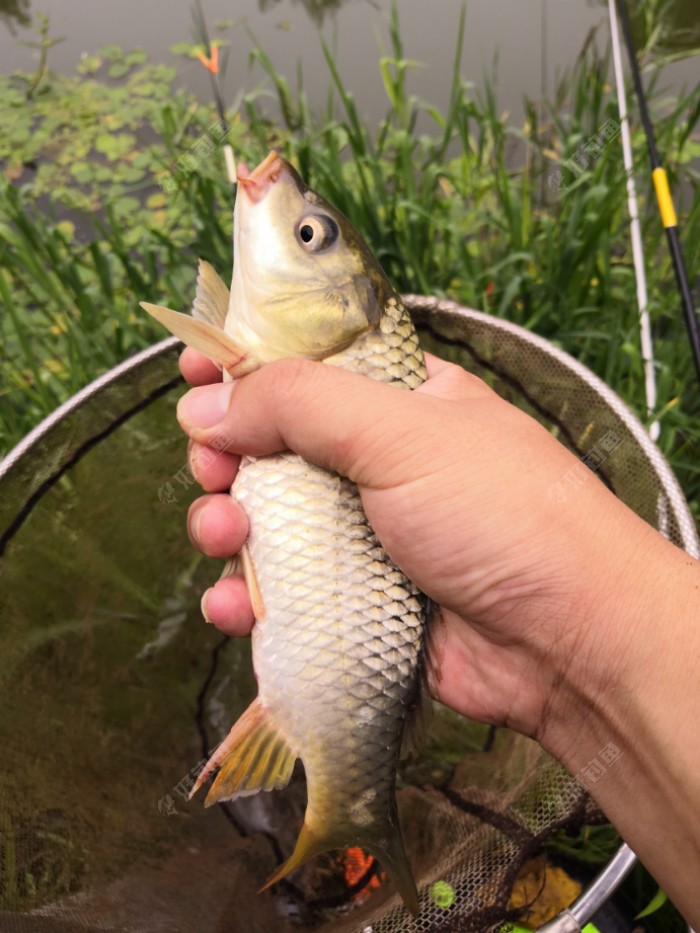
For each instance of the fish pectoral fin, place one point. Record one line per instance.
(232, 566)
(206, 338)
(243, 563)
(251, 582)
(254, 756)
(211, 299)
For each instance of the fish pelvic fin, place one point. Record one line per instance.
(418, 719)
(386, 847)
(419, 714)
(212, 296)
(254, 756)
(207, 338)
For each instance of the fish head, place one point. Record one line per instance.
(304, 281)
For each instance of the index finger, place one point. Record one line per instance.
(198, 369)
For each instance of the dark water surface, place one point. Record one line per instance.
(533, 41)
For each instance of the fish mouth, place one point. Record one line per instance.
(257, 183)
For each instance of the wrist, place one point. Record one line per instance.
(623, 718)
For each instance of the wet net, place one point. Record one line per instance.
(112, 691)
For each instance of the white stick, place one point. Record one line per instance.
(635, 229)
(230, 164)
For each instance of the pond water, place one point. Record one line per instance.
(527, 42)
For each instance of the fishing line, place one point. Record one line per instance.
(663, 195)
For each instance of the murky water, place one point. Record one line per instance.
(528, 42)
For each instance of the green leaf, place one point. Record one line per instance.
(136, 57)
(156, 200)
(658, 901)
(118, 70)
(89, 65)
(181, 48)
(111, 52)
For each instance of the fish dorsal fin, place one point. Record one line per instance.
(211, 298)
(252, 757)
(208, 339)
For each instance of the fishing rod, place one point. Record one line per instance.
(663, 194)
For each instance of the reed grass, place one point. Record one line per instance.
(459, 204)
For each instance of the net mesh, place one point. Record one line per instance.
(113, 692)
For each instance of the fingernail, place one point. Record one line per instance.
(204, 407)
(195, 524)
(203, 605)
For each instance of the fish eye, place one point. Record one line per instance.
(317, 232)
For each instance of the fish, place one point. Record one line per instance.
(340, 635)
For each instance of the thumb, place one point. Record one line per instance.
(340, 420)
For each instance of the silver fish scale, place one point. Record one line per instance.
(338, 650)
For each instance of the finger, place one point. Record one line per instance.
(227, 606)
(448, 381)
(217, 525)
(435, 365)
(214, 470)
(198, 369)
(337, 419)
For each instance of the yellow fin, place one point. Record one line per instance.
(386, 847)
(206, 338)
(252, 757)
(251, 582)
(308, 845)
(211, 298)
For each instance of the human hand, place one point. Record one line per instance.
(457, 484)
(574, 622)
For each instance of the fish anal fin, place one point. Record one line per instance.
(251, 582)
(212, 297)
(206, 338)
(254, 756)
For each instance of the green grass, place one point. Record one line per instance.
(459, 204)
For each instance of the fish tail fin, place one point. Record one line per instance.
(387, 848)
(308, 845)
(254, 756)
(391, 855)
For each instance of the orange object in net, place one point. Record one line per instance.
(355, 866)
